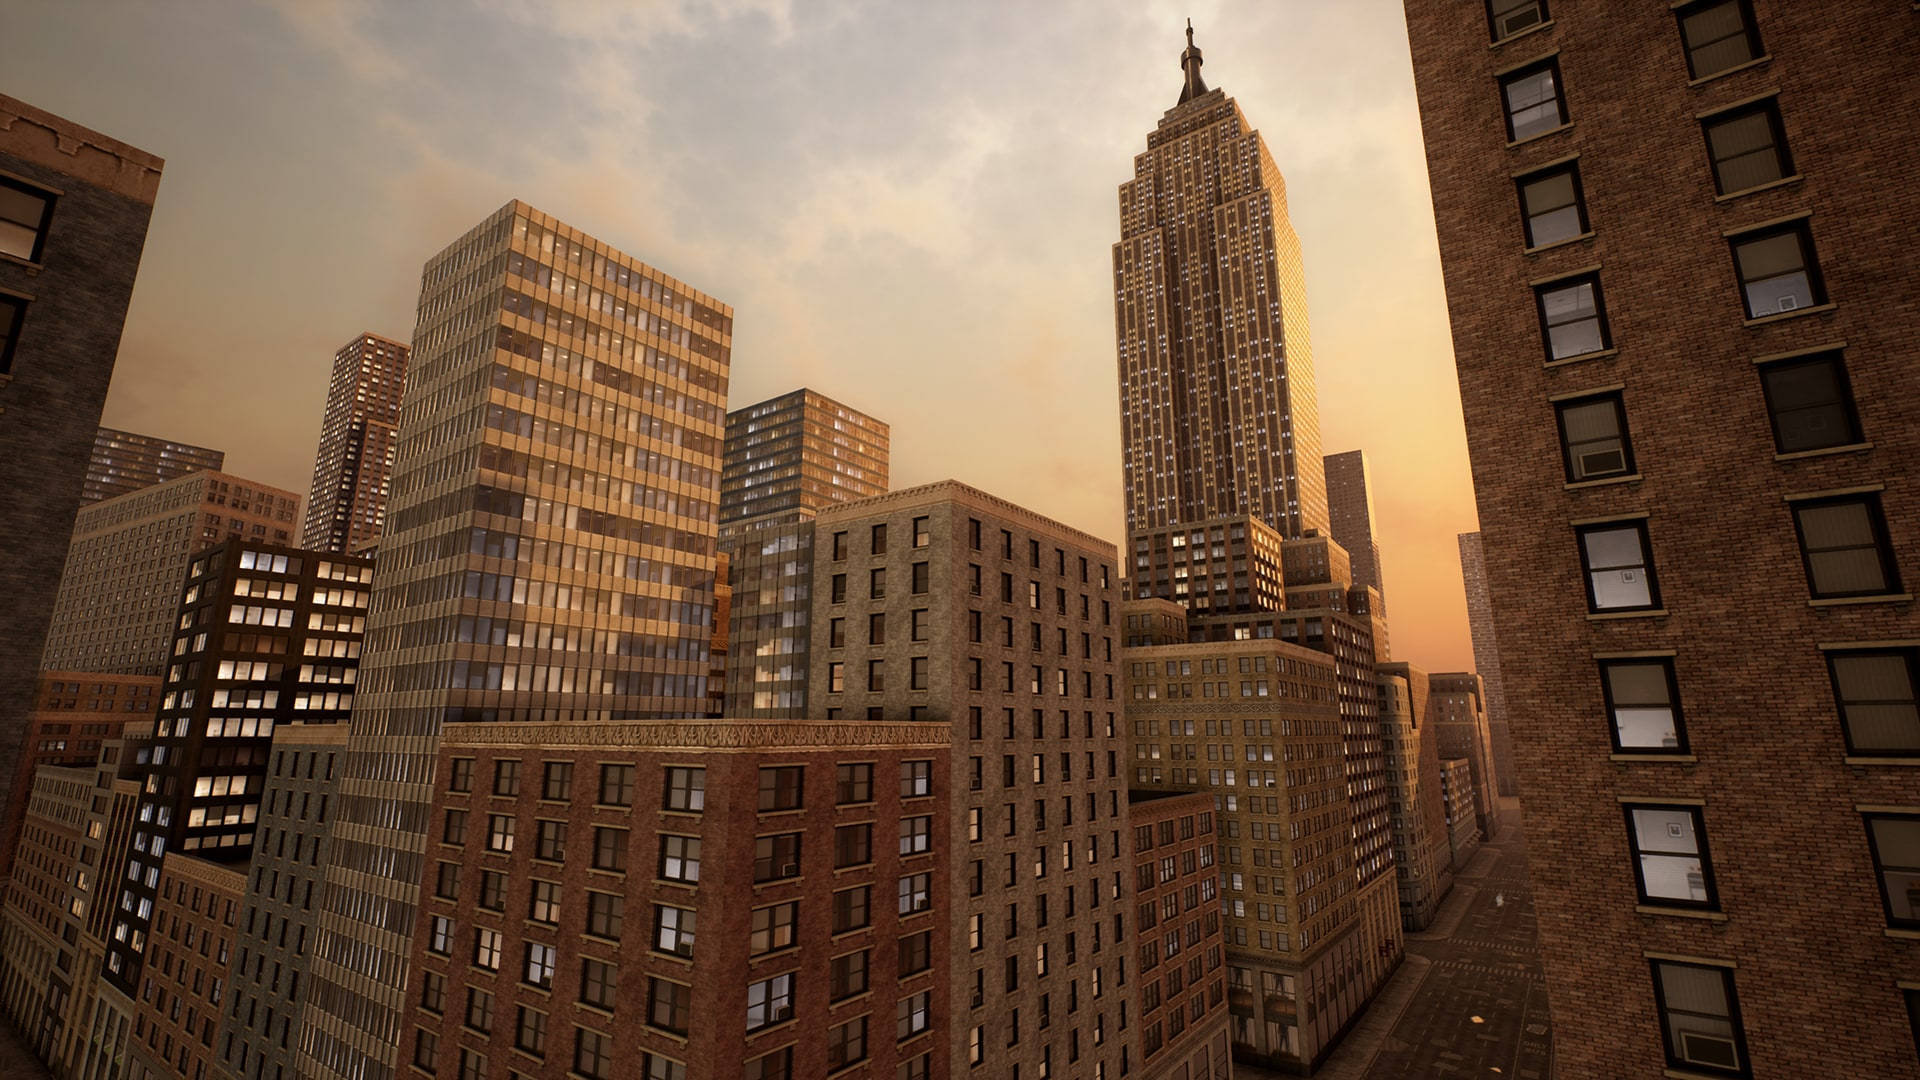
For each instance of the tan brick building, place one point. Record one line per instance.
(1678, 261)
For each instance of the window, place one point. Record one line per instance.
(775, 1066)
(13, 311)
(1748, 147)
(1552, 206)
(610, 849)
(838, 589)
(876, 676)
(769, 1001)
(1718, 35)
(530, 1033)
(500, 832)
(877, 628)
(486, 949)
(540, 961)
(1844, 547)
(506, 777)
(911, 1016)
(853, 783)
(616, 785)
(836, 677)
(556, 781)
(669, 1005)
(847, 1044)
(917, 673)
(916, 835)
(447, 884)
(877, 583)
(1533, 101)
(598, 981)
(852, 845)
(878, 544)
(1593, 437)
(1643, 701)
(780, 787)
(973, 533)
(592, 1053)
(920, 578)
(680, 858)
(543, 902)
(25, 213)
(433, 991)
(479, 1010)
(916, 779)
(1874, 689)
(776, 857)
(839, 546)
(919, 625)
(454, 831)
(916, 893)
(847, 976)
(1573, 317)
(659, 1068)
(1671, 865)
(1508, 17)
(686, 789)
(1618, 567)
(773, 928)
(1810, 403)
(551, 842)
(493, 890)
(426, 1050)
(916, 953)
(1894, 840)
(1699, 1017)
(673, 930)
(836, 633)
(1777, 270)
(922, 534)
(460, 774)
(851, 909)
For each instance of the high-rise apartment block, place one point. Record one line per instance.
(945, 606)
(353, 468)
(1486, 659)
(787, 457)
(129, 554)
(1679, 265)
(74, 206)
(683, 899)
(124, 461)
(265, 635)
(548, 558)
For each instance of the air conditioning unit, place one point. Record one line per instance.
(1787, 303)
(1519, 19)
(1703, 1048)
(684, 948)
(790, 870)
(1599, 462)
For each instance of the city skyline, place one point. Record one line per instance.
(925, 227)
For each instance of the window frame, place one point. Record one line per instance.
(1749, 26)
(1618, 399)
(1493, 26)
(1646, 564)
(1768, 107)
(1591, 279)
(1506, 79)
(1882, 544)
(1673, 702)
(1880, 869)
(1809, 265)
(1835, 359)
(40, 231)
(1911, 658)
(1701, 851)
(1569, 169)
(1674, 1060)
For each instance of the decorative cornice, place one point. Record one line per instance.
(708, 735)
(955, 491)
(213, 875)
(59, 144)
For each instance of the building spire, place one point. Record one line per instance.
(1190, 63)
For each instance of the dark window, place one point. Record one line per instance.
(592, 1054)
(1699, 1017)
(839, 546)
(973, 533)
(838, 589)
(556, 781)
(1506, 18)
(852, 909)
(1874, 689)
(1894, 840)
(1913, 1012)
(1844, 547)
(1718, 34)
(1593, 437)
(920, 577)
(616, 785)
(25, 213)
(852, 845)
(847, 1044)
(775, 1066)
(610, 849)
(598, 981)
(917, 674)
(877, 628)
(1671, 865)
(1573, 317)
(1748, 147)
(1532, 99)
(776, 857)
(606, 914)
(836, 633)
(1618, 564)
(879, 542)
(506, 777)
(669, 1005)
(1810, 403)
(773, 928)
(780, 787)
(686, 789)
(916, 953)
(1777, 270)
(853, 783)
(1552, 205)
(1643, 703)
(460, 774)
(847, 976)
(877, 583)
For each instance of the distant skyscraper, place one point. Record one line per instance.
(74, 206)
(121, 588)
(1679, 262)
(124, 461)
(1486, 659)
(1350, 511)
(548, 557)
(787, 458)
(794, 454)
(354, 465)
(1218, 413)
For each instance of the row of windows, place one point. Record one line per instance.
(1715, 35)
(685, 788)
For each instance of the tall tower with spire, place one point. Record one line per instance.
(1219, 416)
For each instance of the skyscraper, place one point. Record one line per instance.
(1679, 264)
(1350, 511)
(1217, 406)
(125, 461)
(548, 557)
(74, 206)
(1486, 659)
(353, 468)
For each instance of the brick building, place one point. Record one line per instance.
(1351, 524)
(1463, 826)
(74, 206)
(787, 884)
(353, 466)
(946, 606)
(1181, 989)
(126, 461)
(1680, 278)
(120, 590)
(74, 714)
(36, 964)
(1422, 857)
(182, 990)
(1486, 660)
(1460, 729)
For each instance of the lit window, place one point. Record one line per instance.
(1619, 569)
(1777, 270)
(1670, 856)
(1533, 101)
(1573, 317)
(1552, 206)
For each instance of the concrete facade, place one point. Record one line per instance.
(125, 461)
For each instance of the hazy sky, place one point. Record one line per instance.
(911, 207)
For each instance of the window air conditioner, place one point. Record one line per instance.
(790, 870)
(684, 948)
(1703, 1048)
(1515, 21)
(1788, 303)
(1597, 462)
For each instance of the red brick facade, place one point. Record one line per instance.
(182, 987)
(1182, 986)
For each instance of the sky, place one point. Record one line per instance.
(911, 207)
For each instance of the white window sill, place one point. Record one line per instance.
(1764, 320)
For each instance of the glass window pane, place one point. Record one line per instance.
(1608, 548)
(1769, 255)
(1896, 844)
